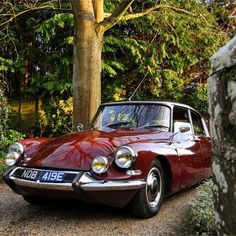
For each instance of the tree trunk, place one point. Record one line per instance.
(87, 63)
(222, 99)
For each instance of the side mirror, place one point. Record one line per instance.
(80, 127)
(184, 129)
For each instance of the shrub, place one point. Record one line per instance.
(56, 117)
(10, 136)
(201, 220)
(198, 99)
(3, 166)
(7, 136)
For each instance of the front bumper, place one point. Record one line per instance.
(81, 183)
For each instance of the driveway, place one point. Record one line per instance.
(76, 218)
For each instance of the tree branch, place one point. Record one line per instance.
(106, 14)
(149, 10)
(98, 10)
(14, 16)
(116, 16)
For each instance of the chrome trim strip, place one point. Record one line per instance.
(87, 183)
(42, 185)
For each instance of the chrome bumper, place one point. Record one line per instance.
(85, 182)
(42, 185)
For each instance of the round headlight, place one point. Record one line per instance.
(11, 158)
(100, 165)
(125, 157)
(16, 147)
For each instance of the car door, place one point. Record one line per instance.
(188, 148)
(201, 135)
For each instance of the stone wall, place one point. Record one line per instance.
(222, 108)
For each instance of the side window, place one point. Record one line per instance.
(181, 119)
(197, 124)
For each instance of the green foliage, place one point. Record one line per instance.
(5, 64)
(198, 99)
(10, 136)
(43, 40)
(201, 216)
(49, 28)
(7, 136)
(56, 117)
(53, 73)
(172, 46)
(38, 43)
(3, 166)
(169, 47)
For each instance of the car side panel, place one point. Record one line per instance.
(147, 152)
(205, 143)
(190, 154)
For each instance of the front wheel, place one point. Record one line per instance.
(147, 201)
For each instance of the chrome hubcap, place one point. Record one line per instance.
(153, 187)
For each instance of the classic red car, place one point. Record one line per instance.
(135, 152)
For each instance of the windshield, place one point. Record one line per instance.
(133, 115)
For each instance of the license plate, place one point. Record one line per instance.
(43, 176)
(52, 176)
(30, 174)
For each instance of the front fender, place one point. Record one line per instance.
(147, 152)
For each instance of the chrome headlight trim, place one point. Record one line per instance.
(11, 158)
(16, 147)
(100, 165)
(125, 156)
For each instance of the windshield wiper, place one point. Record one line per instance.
(155, 126)
(118, 124)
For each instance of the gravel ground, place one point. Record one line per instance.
(76, 218)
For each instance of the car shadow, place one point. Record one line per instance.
(73, 208)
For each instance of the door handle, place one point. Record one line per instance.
(196, 139)
(193, 139)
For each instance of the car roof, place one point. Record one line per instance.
(167, 103)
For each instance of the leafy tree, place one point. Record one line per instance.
(174, 49)
(37, 60)
(169, 46)
(90, 26)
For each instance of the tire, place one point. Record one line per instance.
(34, 200)
(147, 202)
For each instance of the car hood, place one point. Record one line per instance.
(77, 150)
